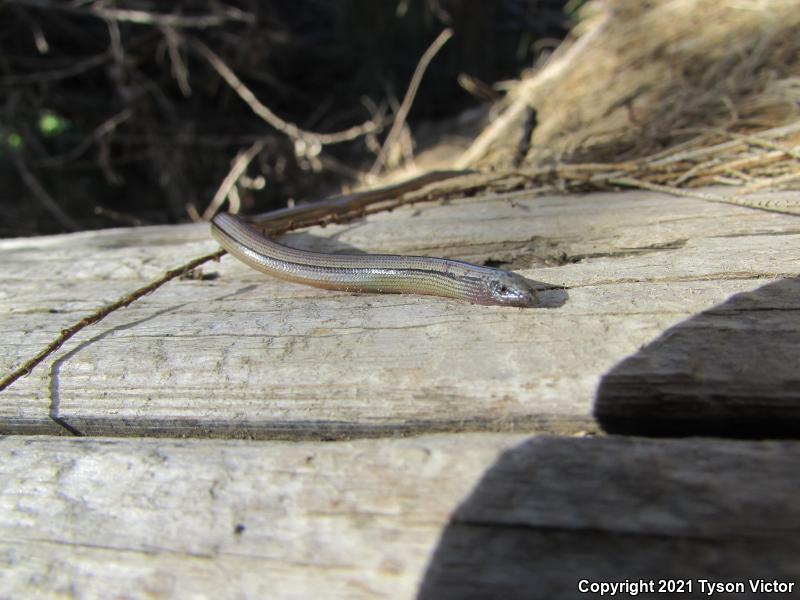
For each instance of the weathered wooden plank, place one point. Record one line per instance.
(245, 355)
(553, 515)
(51, 282)
(215, 518)
(731, 370)
(462, 516)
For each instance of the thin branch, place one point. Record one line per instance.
(346, 206)
(41, 194)
(177, 64)
(124, 218)
(670, 157)
(306, 139)
(142, 17)
(779, 205)
(773, 182)
(408, 99)
(76, 68)
(39, 38)
(98, 134)
(101, 314)
(239, 166)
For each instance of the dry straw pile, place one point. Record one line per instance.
(664, 94)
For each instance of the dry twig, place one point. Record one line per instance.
(41, 194)
(773, 182)
(178, 66)
(76, 68)
(143, 17)
(101, 314)
(238, 167)
(98, 134)
(307, 142)
(408, 99)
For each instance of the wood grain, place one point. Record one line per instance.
(732, 370)
(461, 516)
(239, 354)
(228, 519)
(553, 512)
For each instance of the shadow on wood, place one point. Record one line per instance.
(732, 370)
(554, 512)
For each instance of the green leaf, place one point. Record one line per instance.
(14, 140)
(51, 124)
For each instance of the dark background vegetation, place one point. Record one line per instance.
(108, 111)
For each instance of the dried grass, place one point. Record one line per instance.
(675, 93)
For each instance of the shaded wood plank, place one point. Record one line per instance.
(462, 516)
(554, 512)
(245, 355)
(732, 370)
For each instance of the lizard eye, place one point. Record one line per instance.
(499, 288)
